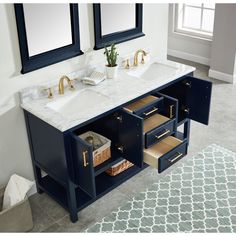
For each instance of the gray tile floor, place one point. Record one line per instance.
(50, 217)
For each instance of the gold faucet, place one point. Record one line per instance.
(136, 56)
(127, 64)
(49, 90)
(61, 84)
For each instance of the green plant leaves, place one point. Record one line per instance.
(111, 55)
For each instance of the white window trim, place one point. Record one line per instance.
(187, 31)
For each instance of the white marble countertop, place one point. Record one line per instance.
(120, 90)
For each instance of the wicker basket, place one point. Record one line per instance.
(119, 167)
(101, 145)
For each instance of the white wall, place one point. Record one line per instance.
(186, 47)
(224, 43)
(14, 149)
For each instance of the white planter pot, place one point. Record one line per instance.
(111, 72)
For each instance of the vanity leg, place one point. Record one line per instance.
(71, 196)
(36, 169)
(187, 129)
(38, 176)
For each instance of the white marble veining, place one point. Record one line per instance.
(95, 100)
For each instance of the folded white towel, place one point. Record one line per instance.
(15, 191)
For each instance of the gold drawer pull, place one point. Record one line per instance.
(171, 111)
(150, 112)
(163, 134)
(177, 157)
(84, 158)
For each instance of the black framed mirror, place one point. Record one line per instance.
(117, 23)
(48, 33)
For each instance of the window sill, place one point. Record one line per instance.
(192, 37)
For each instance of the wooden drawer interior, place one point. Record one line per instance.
(153, 122)
(152, 154)
(140, 103)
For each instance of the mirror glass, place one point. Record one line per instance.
(49, 32)
(117, 23)
(117, 18)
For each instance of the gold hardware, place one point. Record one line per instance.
(143, 61)
(171, 111)
(177, 157)
(50, 95)
(119, 118)
(163, 134)
(121, 149)
(84, 158)
(188, 84)
(150, 112)
(136, 56)
(127, 66)
(61, 84)
(186, 110)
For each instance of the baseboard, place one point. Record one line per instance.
(189, 57)
(222, 76)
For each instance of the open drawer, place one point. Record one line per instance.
(145, 106)
(156, 128)
(158, 123)
(165, 153)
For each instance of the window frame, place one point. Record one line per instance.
(201, 33)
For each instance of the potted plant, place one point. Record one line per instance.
(111, 67)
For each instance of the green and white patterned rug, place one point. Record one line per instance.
(197, 196)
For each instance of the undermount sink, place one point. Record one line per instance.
(151, 71)
(77, 102)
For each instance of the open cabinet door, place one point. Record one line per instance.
(131, 137)
(198, 99)
(83, 159)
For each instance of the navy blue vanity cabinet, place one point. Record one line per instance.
(125, 132)
(163, 154)
(48, 149)
(131, 137)
(168, 124)
(194, 96)
(81, 153)
(148, 135)
(150, 108)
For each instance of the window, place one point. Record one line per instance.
(195, 19)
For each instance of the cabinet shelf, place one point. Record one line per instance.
(54, 189)
(58, 193)
(107, 164)
(115, 158)
(105, 182)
